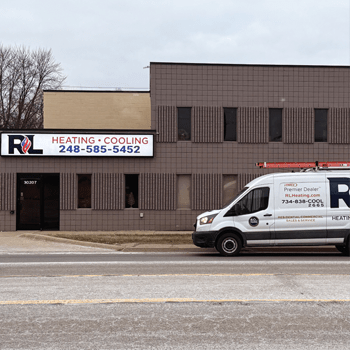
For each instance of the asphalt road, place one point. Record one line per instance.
(169, 263)
(174, 301)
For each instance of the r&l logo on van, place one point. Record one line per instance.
(336, 194)
(253, 221)
(24, 144)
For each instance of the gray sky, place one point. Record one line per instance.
(106, 43)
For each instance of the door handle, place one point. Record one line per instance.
(268, 215)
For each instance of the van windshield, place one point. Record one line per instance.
(232, 200)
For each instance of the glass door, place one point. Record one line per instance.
(38, 201)
(28, 203)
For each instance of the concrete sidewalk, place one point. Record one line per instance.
(41, 241)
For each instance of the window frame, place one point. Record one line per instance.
(184, 118)
(127, 180)
(324, 137)
(89, 200)
(227, 109)
(271, 116)
(183, 197)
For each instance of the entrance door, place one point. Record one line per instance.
(37, 201)
(28, 202)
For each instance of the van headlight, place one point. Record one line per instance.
(207, 219)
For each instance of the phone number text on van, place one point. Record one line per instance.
(310, 202)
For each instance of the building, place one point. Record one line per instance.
(208, 125)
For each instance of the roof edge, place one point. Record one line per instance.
(102, 91)
(251, 65)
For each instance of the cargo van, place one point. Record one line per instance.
(311, 207)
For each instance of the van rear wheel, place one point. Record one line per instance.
(229, 244)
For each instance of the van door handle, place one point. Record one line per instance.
(268, 215)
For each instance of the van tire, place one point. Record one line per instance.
(229, 244)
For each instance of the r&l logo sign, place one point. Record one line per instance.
(336, 194)
(24, 144)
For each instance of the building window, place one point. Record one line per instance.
(84, 191)
(275, 124)
(230, 124)
(131, 191)
(321, 125)
(184, 123)
(184, 192)
(230, 188)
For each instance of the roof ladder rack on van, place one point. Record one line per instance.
(304, 165)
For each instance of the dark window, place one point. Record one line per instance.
(84, 191)
(320, 125)
(184, 123)
(256, 200)
(275, 124)
(131, 191)
(230, 126)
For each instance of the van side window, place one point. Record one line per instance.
(256, 200)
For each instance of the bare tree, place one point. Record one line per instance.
(24, 74)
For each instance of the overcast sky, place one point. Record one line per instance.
(106, 43)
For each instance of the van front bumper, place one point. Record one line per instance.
(204, 239)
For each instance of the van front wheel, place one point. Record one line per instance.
(229, 244)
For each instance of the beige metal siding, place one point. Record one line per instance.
(208, 124)
(157, 191)
(298, 125)
(107, 191)
(166, 124)
(206, 191)
(68, 191)
(7, 191)
(253, 125)
(339, 125)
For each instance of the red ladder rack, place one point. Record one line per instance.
(316, 164)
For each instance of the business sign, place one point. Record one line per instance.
(68, 145)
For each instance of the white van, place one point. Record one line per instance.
(282, 209)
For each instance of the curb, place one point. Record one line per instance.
(39, 237)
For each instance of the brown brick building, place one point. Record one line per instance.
(210, 123)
